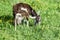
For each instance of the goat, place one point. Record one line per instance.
(27, 10)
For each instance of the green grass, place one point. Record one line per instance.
(49, 10)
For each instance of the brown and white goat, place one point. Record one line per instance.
(25, 9)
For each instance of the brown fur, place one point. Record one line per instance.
(24, 14)
(18, 6)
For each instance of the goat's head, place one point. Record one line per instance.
(37, 19)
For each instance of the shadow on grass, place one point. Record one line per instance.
(7, 18)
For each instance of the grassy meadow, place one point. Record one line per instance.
(49, 29)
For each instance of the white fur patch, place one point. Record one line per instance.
(18, 14)
(24, 9)
(19, 18)
(32, 17)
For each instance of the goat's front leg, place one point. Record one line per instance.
(39, 21)
(15, 23)
(27, 23)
